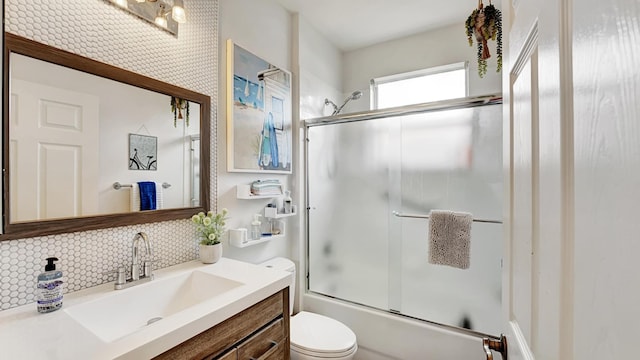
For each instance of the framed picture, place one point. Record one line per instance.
(259, 125)
(143, 152)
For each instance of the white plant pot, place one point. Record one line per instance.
(210, 254)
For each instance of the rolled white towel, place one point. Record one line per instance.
(134, 198)
(159, 196)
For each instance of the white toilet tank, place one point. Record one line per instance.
(314, 336)
(284, 264)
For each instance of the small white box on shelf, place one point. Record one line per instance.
(238, 237)
(273, 229)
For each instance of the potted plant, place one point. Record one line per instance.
(210, 227)
(485, 23)
(177, 105)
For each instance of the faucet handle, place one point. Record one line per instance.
(148, 267)
(121, 275)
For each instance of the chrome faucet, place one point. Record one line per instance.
(138, 275)
(135, 251)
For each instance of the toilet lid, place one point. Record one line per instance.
(320, 334)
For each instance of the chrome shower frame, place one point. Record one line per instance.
(461, 103)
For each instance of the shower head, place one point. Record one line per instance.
(354, 96)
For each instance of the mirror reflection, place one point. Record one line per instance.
(73, 135)
(86, 144)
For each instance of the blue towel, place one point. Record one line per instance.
(147, 195)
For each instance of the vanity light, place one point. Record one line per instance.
(157, 12)
(177, 12)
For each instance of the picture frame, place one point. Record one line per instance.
(259, 114)
(143, 152)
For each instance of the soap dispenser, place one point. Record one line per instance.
(49, 291)
(256, 227)
(287, 202)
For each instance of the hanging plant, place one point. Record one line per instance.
(177, 105)
(485, 23)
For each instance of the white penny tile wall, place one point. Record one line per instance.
(101, 31)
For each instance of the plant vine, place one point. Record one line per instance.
(177, 105)
(485, 23)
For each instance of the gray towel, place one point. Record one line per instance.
(449, 238)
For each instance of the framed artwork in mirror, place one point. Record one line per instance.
(143, 152)
(259, 124)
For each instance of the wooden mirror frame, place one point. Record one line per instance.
(19, 45)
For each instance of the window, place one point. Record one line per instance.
(416, 87)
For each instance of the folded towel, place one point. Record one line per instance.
(147, 195)
(449, 238)
(266, 187)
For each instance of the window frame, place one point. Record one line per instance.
(375, 82)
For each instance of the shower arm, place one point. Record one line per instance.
(336, 110)
(335, 107)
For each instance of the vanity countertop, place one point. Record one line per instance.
(27, 334)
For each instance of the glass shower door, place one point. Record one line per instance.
(348, 216)
(367, 178)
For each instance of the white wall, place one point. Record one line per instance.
(434, 48)
(265, 29)
(320, 74)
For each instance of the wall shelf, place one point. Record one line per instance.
(272, 213)
(244, 192)
(256, 242)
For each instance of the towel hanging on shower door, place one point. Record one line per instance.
(450, 238)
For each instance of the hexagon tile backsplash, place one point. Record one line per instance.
(99, 30)
(85, 256)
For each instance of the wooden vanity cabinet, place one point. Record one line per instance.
(260, 332)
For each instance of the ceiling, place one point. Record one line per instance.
(353, 24)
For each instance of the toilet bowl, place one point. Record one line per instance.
(314, 336)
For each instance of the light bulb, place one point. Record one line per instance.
(121, 3)
(177, 12)
(161, 21)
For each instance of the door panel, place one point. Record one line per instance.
(521, 254)
(54, 135)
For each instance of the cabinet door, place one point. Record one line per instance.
(231, 355)
(268, 344)
(216, 340)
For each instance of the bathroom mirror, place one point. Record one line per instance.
(74, 127)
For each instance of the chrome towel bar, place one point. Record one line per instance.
(118, 186)
(398, 214)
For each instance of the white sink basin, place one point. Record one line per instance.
(126, 311)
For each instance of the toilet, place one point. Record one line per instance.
(314, 336)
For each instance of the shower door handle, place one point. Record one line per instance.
(496, 345)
